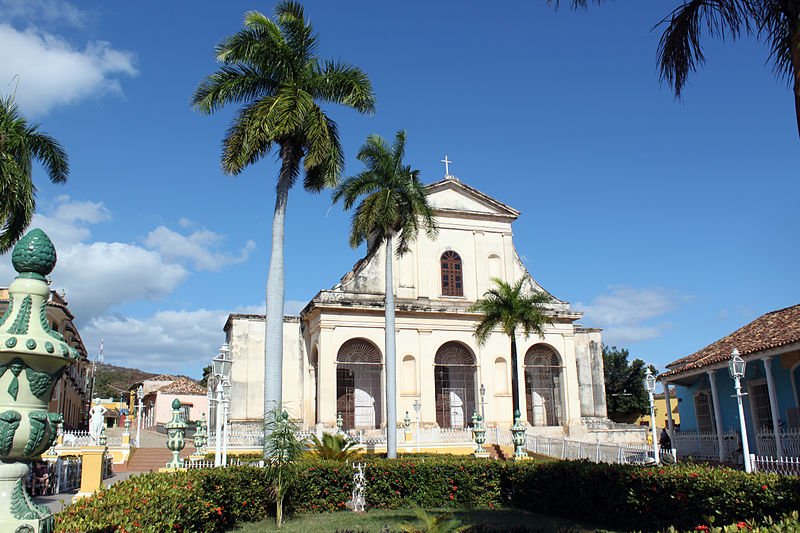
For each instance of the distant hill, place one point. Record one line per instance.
(111, 380)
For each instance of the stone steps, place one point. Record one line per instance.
(148, 459)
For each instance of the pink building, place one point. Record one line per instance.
(162, 390)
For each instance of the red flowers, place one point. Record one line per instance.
(701, 528)
(764, 487)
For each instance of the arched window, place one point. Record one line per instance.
(358, 384)
(454, 385)
(452, 276)
(543, 386)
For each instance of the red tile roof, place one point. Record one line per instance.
(183, 385)
(771, 330)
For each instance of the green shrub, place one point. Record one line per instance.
(610, 496)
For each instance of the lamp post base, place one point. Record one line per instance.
(18, 514)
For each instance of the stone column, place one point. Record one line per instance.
(773, 405)
(598, 379)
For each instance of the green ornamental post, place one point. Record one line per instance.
(32, 359)
(176, 428)
(479, 430)
(518, 436)
(201, 435)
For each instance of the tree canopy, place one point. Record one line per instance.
(626, 396)
(21, 143)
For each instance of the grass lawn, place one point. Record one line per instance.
(376, 521)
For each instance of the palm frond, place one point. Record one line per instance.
(679, 50)
(505, 305)
(340, 83)
(229, 85)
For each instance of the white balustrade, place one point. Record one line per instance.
(705, 446)
(788, 466)
(790, 440)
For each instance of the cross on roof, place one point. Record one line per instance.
(446, 166)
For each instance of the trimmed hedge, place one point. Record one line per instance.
(610, 496)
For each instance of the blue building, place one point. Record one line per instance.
(770, 345)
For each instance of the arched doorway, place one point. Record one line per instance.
(358, 384)
(543, 386)
(454, 383)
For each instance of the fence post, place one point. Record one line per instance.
(753, 462)
(597, 456)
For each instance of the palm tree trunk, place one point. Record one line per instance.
(391, 358)
(514, 375)
(273, 343)
(794, 39)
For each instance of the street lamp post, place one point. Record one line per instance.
(222, 369)
(139, 412)
(417, 408)
(483, 402)
(736, 368)
(650, 386)
(226, 402)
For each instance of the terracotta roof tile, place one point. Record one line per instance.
(771, 330)
(183, 385)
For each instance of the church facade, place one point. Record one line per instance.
(334, 351)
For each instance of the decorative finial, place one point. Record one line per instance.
(176, 404)
(34, 255)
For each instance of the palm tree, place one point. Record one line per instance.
(774, 22)
(508, 307)
(271, 67)
(20, 144)
(394, 203)
(333, 447)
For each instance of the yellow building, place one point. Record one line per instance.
(70, 395)
(661, 411)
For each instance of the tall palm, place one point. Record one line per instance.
(270, 66)
(393, 203)
(774, 22)
(510, 307)
(20, 144)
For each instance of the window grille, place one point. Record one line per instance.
(543, 386)
(762, 413)
(358, 385)
(452, 276)
(454, 384)
(703, 412)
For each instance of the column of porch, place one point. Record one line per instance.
(773, 404)
(712, 378)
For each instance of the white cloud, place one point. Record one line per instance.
(185, 223)
(198, 248)
(169, 341)
(49, 11)
(98, 276)
(624, 311)
(53, 72)
(180, 342)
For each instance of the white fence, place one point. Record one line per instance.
(80, 439)
(232, 461)
(705, 446)
(564, 448)
(789, 466)
(790, 440)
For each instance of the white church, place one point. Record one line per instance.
(334, 351)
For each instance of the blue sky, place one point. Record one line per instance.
(670, 223)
